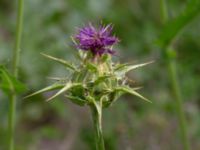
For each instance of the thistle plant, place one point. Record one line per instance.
(95, 80)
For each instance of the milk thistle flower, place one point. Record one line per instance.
(97, 40)
(98, 82)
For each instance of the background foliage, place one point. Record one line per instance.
(129, 123)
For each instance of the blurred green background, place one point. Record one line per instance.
(130, 124)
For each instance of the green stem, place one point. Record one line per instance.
(16, 58)
(19, 26)
(97, 121)
(171, 65)
(11, 121)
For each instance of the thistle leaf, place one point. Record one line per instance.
(49, 88)
(76, 100)
(61, 61)
(131, 91)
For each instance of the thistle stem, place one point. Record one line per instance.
(97, 122)
(16, 58)
(171, 66)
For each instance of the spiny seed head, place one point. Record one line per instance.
(96, 40)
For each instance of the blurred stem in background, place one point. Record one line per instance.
(16, 58)
(97, 122)
(171, 65)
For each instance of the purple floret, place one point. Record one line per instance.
(98, 41)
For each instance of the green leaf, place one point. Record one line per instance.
(9, 83)
(76, 100)
(173, 27)
(61, 61)
(131, 91)
(49, 88)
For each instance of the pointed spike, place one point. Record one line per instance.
(64, 89)
(138, 66)
(56, 78)
(73, 40)
(128, 67)
(131, 91)
(137, 88)
(140, 96)
(61, 61)
(49, 88)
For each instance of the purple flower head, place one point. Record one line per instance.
(97, 40)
